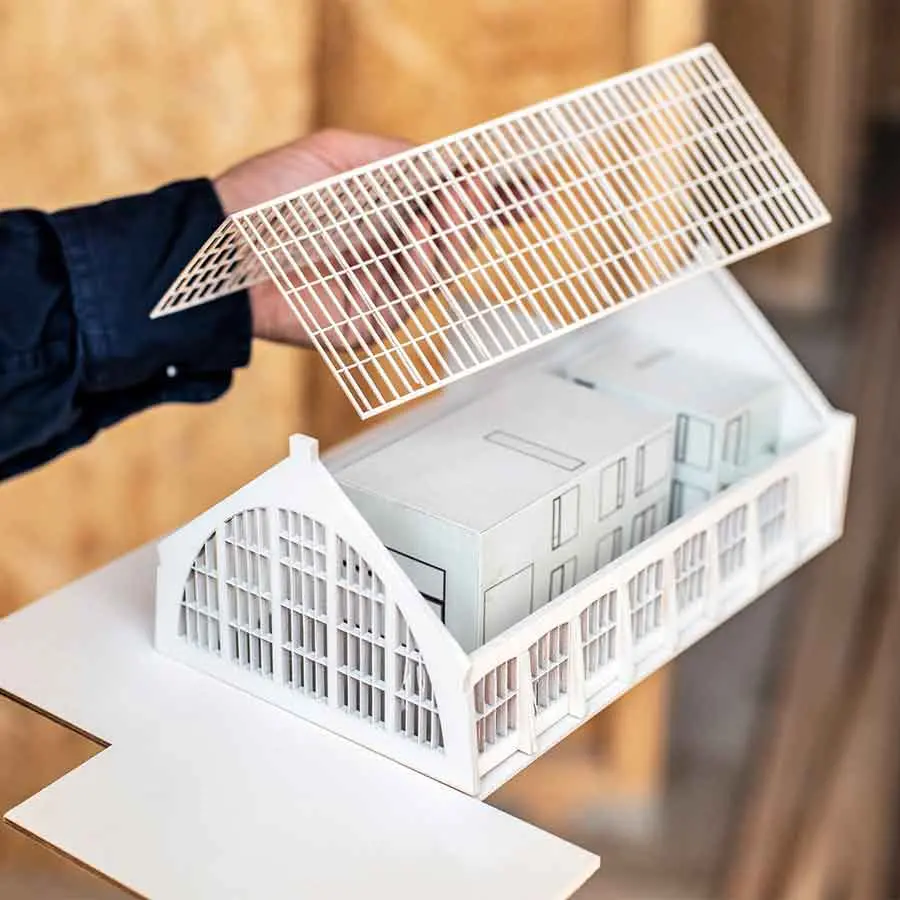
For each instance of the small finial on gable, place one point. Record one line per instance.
(303, 448)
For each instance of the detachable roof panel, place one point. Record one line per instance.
(416, 270)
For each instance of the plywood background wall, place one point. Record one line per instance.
(105, 97)
(99, 98)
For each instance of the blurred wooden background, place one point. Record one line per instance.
(104, 97)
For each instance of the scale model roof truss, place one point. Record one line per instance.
(416, 270)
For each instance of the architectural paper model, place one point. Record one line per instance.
(283, 590)
(323, 590)
(728, 422)
(416, 270)
(462, 586)
(504, 504)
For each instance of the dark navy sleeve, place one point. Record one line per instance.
(78, 351)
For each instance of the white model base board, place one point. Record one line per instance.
(205, 792)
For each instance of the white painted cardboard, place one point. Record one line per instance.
(302, 484)
(505, 702)
(503, 494)
(729, 421)
(207, 794)
(577, 207)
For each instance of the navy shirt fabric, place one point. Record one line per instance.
(78, 351)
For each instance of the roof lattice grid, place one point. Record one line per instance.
(413, 271)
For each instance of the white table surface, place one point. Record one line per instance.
(207, 792)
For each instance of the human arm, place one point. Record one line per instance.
(78, 351)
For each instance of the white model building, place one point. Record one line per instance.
(501, 499)
(286, 590)
(504, 504)
(728, 421)
(283, 590)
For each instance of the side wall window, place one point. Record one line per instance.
(652, 464)
(645, 524)
(609, 547)
(686, 498)
(565, 518)
(694, 442)
(612, 488)
(734, 447)
(562, 578)
(676, 504)
(507, 602)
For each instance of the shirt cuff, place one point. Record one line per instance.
(121, 257)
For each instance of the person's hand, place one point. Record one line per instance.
(382, 293)
(281, 171)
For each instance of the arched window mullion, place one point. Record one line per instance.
(279, 594)
(274, 596)
(362, 636)
(393, 663)
(331, 542)
(418, 717)
(246, 574)
(303, 602)
(226, 649)
(199, 614)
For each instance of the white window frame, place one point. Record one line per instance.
(557, 536)
(569, 567)
(599, 629)
(489, 634)
(617, 537)
(621, 468)
(640, 468)
(736, 455)
(676, 504)
(691, 572)
(732, 543)
(649, 513)
(682, 428)
(772, 515)
(645, 602)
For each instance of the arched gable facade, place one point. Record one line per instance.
(284, 590)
